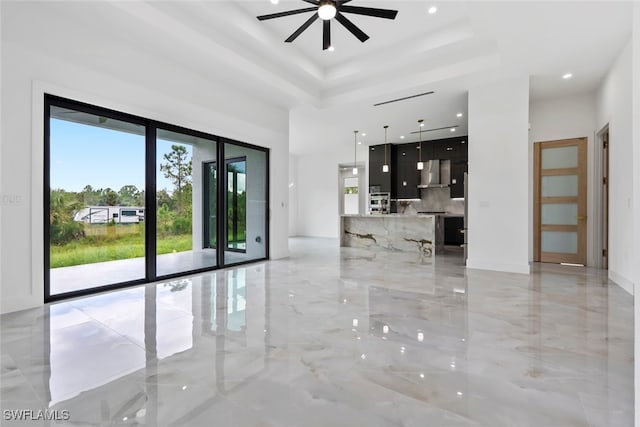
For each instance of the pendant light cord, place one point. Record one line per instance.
(420, 133)
(355, 144)
(385, 143)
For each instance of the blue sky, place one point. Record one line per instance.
(89, 155)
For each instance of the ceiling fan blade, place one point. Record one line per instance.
(326, 34)
(352, 27)
(303, 27)
(312, 1)
(370, 11)
(343, 1)
(287, 13)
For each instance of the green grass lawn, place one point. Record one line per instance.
(124, 242)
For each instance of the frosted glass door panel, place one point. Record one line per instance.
(565, 242)
(560, 186)
(560, 158)
(560, 214)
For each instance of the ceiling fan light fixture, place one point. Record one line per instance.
(327, 10)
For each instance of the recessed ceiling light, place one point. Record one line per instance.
(452, 129)
(421, 125)
(359, 142)
(275, 1)
(364, 134)
(331, 49)
(432, 10)
(459, 115)
(567, 76)
(401, 136)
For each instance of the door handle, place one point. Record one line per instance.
(581, 217)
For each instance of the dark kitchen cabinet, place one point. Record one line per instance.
(449, 148)
(452, 227)
(378, 180)
(407, 176)
(458, 168)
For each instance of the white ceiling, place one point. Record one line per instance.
(330, 94)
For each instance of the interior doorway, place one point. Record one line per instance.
(560, 201)
(351, 190)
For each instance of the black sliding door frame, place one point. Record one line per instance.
(151, 127)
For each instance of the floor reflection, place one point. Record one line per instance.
(122, 356)
(332, 337)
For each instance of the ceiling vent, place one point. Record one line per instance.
(402, 99)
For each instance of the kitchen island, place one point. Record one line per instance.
(422, 234)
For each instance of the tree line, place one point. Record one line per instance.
(174, 209)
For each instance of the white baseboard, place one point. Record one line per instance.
(621, 281)
(496, 266)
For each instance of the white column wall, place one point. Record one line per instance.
(499, 199)
(293, 195)
(636, 196)
(614, 109)
(27, 74)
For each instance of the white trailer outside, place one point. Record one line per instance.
(105, 214)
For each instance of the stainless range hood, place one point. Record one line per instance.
(436, 174)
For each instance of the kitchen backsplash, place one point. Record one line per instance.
(432, 200)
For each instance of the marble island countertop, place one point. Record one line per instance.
(399, 215)
(393, 232)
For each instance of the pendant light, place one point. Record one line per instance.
(355, 146)
(385, 166)
(420, 162)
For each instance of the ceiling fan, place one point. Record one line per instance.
(328, 10)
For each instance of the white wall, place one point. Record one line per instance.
(614, 108)
(564, 118)
(318, 195)
(293, 195)
(499, 199)
(158, 89)
(636, 196)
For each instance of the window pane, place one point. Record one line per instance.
(560, 186)
(97, 207)
(560, 213)
(565, 242)
(185, 167)
(561, 157)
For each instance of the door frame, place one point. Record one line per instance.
(601, 196)
(581, 257)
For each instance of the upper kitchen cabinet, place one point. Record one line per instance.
(447, 149)
(381, 181)
(407, 176)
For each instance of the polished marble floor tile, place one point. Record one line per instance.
(331, 337)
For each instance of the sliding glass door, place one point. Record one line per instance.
(210, 217)
(180, 193)
(246, 201)
(96, 200)
(237, 204)
(130, 200)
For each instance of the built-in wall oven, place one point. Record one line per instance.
(379, 203)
